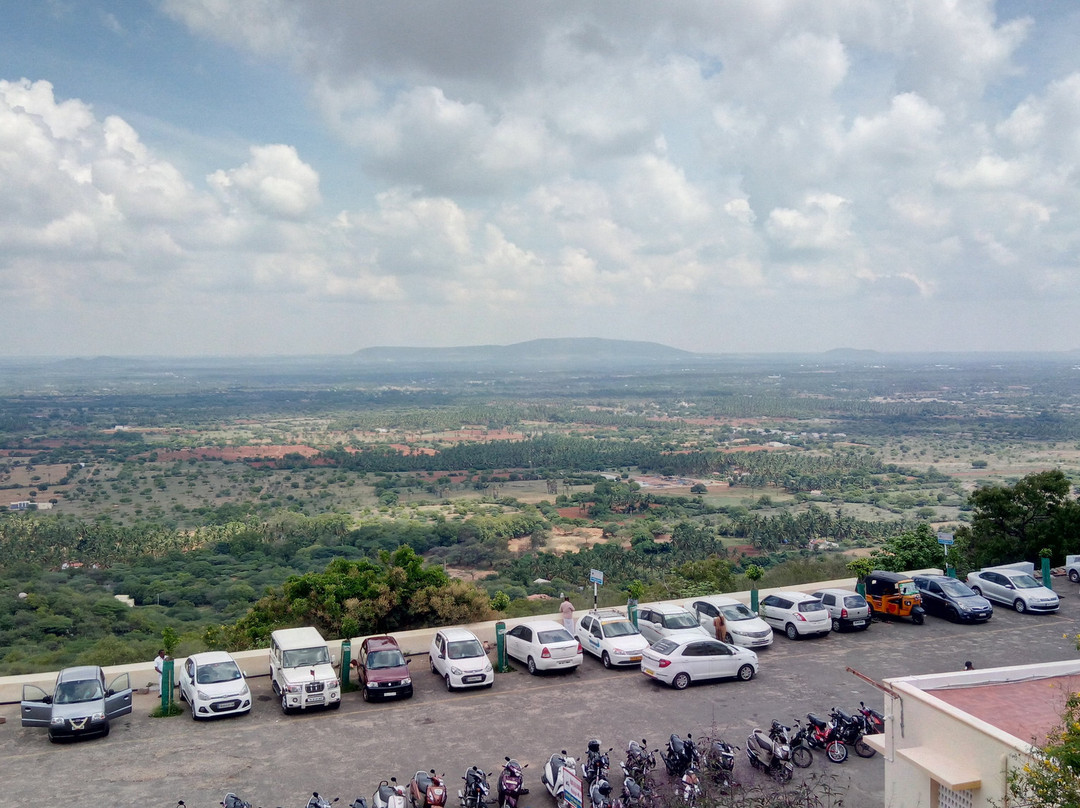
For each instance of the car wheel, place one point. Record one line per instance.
(335, 705)
(953, 615)
(1074, 576)
(791, 631)
(977, 591)
(431, 664)
(917, 619)
(364, 694)
(606, 660)
(181, 691)
(746, 673)
(105, 734)
(836, 751)
(681, 681)
(531, 665)
(835, 624)
(285, 708)
(1019, 605)
(191, 704)
(446, 681)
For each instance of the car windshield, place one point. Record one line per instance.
(737, 612)
(306, 656)
(392, 658)
(1025, 582)
(958, 589)
(619, 628)
(907, 588)
(217, 672)
(464, 649)
(555, 635)
(811, 606)
(76, 692)
(680, 620)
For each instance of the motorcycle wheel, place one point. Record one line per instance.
(802, 757)
(836, 751)
(784, 772)
(863, 749)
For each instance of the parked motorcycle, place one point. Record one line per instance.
(681, 755)
(691, 787)
(427, 790)
(823, 735)
(230, 800)
(596, 763)
(476, 788)
(772, 757)
(318, 801)
(640, 760)
(873, 721)
(559, 768)
(600, 793)
(720, 763)
(510, 784)
(849, 729)
(796, 738)
(389, 795)
(634, 794)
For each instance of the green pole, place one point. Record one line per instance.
(1046, 573)
(500, 647)
(166, 686)
(631, 611)
(346, 664)
(860, 587)
(753, 600)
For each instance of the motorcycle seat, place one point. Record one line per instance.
(423, 780)
(817, 722)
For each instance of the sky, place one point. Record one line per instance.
(283, 177)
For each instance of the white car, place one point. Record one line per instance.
(797, 614)
(659, 620)
(743, 626)
(1014, 588)
(610, 636)
(678, 661)
(212, 684)
(543, 645)
(459, 658)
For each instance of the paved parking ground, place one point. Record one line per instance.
(274, 760)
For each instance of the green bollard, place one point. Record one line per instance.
(950, 570)
(631, 611)
(1046, 573)
(860, 587)
(166, 684)
(753, 600)
(500, 648)
(346, 665)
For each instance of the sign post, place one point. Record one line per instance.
(572, 787)
(596, 578)
(946, 541)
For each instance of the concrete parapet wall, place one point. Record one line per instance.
(417, 641)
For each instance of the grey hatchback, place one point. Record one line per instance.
(80, 705)
(848, 609)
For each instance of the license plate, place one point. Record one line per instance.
(635, 659)
(858, 622)
(468, 680)
(314, 699)
(648, 672)
(228, 705)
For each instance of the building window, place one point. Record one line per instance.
(944, 797)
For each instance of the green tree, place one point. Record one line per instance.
(1051, 778)
(912, 550)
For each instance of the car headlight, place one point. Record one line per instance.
(455, 671)
(97, 717)
(294, 688)
(488, 668)
(244, 690)
(57, 722)
(407, 680)
(202, 695)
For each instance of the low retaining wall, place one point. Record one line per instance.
(257, 662)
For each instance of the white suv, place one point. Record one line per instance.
(301, 670)
(610, 636)
(459, 658)
(659, 620)
(796, 614)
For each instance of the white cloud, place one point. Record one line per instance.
(276, 181)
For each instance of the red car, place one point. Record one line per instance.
(382, 670)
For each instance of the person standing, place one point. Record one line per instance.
(159, 666)
(566, 609)
(720, 626)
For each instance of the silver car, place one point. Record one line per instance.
(80, 705)
(1013, 588)
(848, 609)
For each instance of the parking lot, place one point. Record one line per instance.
(274, 760)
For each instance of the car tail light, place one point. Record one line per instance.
(843, 613)
(579, 648)
(799, 616)
(664, 663)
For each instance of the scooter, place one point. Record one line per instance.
(558, 770)
(476, 788)
(596, 763)
(427, 790)
(720, 763)
(681, 755)
(317, 801)
(510, 782)
(773, 757)
(795, 738)
(230, 800)
(823, 735)
(389, 795)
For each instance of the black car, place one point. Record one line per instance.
(948, 597)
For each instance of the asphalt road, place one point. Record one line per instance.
(276, 760)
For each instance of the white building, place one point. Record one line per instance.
(951, 738)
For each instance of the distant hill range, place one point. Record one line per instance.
(569, 352)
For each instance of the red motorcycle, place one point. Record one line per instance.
(873, 721)
(825, 735)
(427, 790)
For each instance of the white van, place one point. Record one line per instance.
(302, 671)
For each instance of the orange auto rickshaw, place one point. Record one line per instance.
(893, 594)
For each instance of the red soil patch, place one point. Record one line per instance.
(234, 453)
